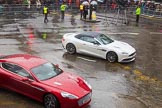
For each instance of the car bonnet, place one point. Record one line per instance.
(70, 83)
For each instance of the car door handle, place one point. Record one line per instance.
(17, 79)
(101, 49)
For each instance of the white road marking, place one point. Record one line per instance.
(125, 33)
(158, 33)
(86, 59)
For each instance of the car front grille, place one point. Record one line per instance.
(128, 59)
(85, 99)
(133, 54)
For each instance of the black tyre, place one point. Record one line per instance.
(50, 101)
(112, 57)
(70, 48)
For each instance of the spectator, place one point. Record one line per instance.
(81, 10)
(29, 3)
(38, 4)
(85, 11)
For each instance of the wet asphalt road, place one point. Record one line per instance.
(132, 85)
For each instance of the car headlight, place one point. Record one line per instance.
(87, 84)
(125, 53)
(68, 95)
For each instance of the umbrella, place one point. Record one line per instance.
(101, 1)
(85, 3)
(93, 3)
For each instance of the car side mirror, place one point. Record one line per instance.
(57, 66)
(96, 43)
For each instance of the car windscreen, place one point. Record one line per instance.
(104, 39)
(46, 71)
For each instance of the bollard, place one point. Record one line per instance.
(94, 16)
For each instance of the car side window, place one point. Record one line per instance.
(78, 36)
(8, 66)
(88, 39)
(16, 69)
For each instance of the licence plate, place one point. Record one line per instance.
(85, 99)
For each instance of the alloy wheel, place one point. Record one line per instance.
(50, 101)
(112, 57)
(71, 48)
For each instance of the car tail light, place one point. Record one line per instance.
(63, 39)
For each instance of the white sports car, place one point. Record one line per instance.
(98, 44)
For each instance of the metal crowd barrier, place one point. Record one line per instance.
(24, 9)
(154, 13)
(6, 9)
(12, 9)
(147, 12)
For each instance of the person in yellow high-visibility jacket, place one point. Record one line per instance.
(63, 8)
(138, 12)
(81, 10)
(45, 12)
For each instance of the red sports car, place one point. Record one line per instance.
(43, 81)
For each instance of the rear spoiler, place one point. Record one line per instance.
(68, 34)
(2, 56)
(1, 60)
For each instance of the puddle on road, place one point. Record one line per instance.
(92, 63)
(56, 18)
(150, 92)
(27, 36)
(67, 65)
(7, 22)
(9, 99)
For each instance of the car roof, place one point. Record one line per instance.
(25, 60)
(91, 34)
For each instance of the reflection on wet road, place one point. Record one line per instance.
(114, 85)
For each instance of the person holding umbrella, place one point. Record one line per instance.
(93, 5)
(85, 9)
